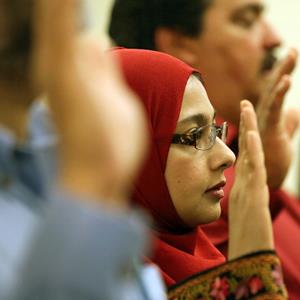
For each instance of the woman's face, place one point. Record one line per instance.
(194, 177)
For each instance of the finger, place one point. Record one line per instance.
(286, 66)
(283, 68)
(256, 155)
(275, 106)
(55, 29)
(249, 116)
(242, 131)
(270, 111)
(248, 124)
(292, 121)
(290, 61)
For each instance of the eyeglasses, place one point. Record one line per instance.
(202, 138)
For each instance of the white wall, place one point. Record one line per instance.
(100, 13)
(285, 17)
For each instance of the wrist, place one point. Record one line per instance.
(91, 183)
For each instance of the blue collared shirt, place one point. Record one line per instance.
(52, 244)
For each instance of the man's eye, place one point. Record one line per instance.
(247, 23)
(246, 20)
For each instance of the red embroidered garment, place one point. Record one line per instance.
(160, 80)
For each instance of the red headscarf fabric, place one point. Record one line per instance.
(160, 80)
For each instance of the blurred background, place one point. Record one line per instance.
(285, 17)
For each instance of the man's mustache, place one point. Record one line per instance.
(269, 61)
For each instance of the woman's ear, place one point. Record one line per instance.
(176, 44)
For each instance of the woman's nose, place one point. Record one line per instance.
(221, 156)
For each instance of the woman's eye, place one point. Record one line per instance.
(187, 139)
(198, 134)
(193, 131)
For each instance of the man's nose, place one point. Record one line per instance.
(272, 38)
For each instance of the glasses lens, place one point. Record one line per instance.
(224, 131)
(206, 137)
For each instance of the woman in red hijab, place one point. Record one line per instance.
(182, 183)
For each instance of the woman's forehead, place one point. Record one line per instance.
(195, 102)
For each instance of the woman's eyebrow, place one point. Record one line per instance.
(200, 119)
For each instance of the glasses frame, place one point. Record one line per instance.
(190, 139)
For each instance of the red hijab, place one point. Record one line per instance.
(160, 80)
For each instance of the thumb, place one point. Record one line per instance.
(292, 121)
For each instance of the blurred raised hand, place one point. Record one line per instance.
(277, 127)
(250, 225)
(101, 125)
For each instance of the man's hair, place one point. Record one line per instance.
(15, 38)
(134, 22)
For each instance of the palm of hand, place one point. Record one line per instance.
(101, 125)
(250, 226)
(277, 145)
(275, 127)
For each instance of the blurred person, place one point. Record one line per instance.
(182, 184)
(234, 46)
(66, 234)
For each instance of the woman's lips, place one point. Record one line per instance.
(217, 193)
(217, 190)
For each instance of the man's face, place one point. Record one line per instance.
(235, 53)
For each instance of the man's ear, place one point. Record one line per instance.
(176, 44)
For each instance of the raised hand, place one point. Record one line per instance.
(277, 128)
(250, 225)
(100, 123)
